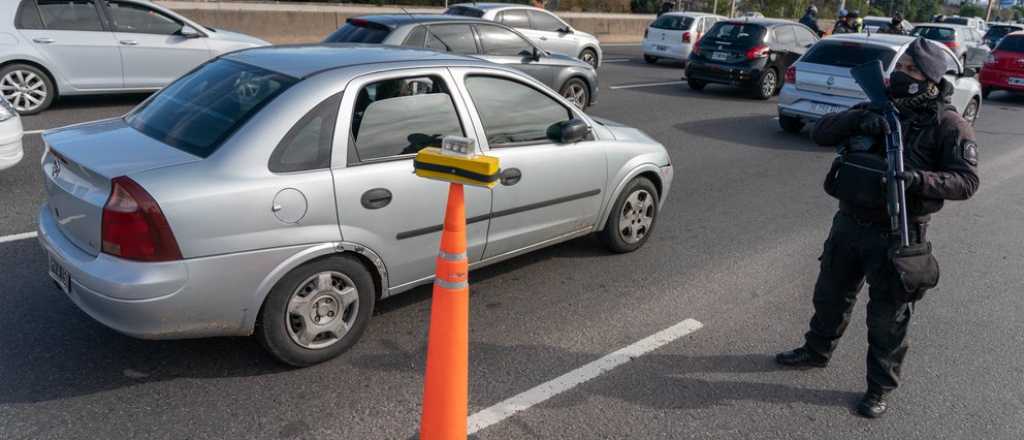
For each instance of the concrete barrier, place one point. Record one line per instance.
(307, 23)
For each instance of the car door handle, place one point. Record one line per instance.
(43, 40)
(511, 176)
(129, 42)
(376, 198)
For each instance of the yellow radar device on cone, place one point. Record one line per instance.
(457, 162)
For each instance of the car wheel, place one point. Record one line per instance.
(790, 124)
(985, 91)
(696, 84)
(633, 216)
(27, 88)
(589, 56)
(650, 59)
(971, 112)
(317, 311)
(576, 92)
(767, 85)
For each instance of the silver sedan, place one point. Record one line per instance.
(271, 193)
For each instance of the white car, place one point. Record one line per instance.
(10, 135)
(673, 35)
(542, 27)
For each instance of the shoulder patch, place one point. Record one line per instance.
(969, 152)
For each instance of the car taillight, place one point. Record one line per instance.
(791, 75)
(696, 49)
(952, 44)
(134, 227)
(686, 37)
(757, 52)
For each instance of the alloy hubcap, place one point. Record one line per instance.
(322, 310)
(971, 113)
(589, 58)
(25, 90)
(768, 87)
(636, 217)
(576, 95)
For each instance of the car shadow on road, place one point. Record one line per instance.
(758, 130)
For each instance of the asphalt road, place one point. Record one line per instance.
(735, 248)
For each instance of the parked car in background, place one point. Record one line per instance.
(78, 47)
(996, 31)
(820, 82)
(876, 24)
(11, 150)
(964, 41)
(1004, 69)
(573, 78)
(540, 26)
(751, 54)
(271, 192)
(975, 23)
(673, 35)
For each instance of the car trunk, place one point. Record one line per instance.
(827, 80)
(80, 162)
(729, 42)
(1009, 61)
(669, 30)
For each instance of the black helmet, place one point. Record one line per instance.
(853, 14)
(812, 9)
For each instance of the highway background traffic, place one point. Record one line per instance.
(735, 248)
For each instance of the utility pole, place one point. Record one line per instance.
(988, 15)
(732, 9)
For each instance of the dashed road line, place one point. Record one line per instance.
(618, 60)
(16, 237)
(565, 382)
(633, 86)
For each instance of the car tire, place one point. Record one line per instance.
(985, 91)
(633, 217)
(971, 111)
(696, 84)
(576, 92)
(790, 124)
(340, 287)
(589, 56)
(767, 85)
(40, 93)
(650, 59)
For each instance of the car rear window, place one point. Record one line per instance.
(357, 30)
(673, 22)
(876, 23)
(934, 33)
(464, 11)
(200, 110)
(847, 54)
(735, 34)
(1000, 31)
(1012, 44)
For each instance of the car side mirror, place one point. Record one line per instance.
(568, 132)
(970, 72)
(532, 54)
(565, 30)
(189, 32)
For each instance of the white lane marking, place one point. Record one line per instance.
(33, 131)
(565, 382)
(633, 86)
(16, 237)
(621, 44)
(618, 60)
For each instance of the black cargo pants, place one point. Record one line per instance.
(855, 251)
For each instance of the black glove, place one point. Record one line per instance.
(873, 124)
(911, 179)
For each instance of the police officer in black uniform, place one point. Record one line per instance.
(941, 160)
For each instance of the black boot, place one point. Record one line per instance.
(801, 357)
(872, 405)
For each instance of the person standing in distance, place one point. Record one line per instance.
(810, 19)
(941, 161)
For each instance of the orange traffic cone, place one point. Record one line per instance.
(445, 390)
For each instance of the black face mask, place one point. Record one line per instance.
(902, 85)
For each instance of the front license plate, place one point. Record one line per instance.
(60, 275)
(661, 48)
(1016, 81)
(719, 56)
(825, 109)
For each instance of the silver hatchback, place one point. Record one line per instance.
(271, 191)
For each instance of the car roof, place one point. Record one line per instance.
(770, 22)
(945, 25)
(690, 14)
(303, 60)
(892, 41)
(396, 20)
(489, 6)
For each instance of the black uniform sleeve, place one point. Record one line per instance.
(834, 128)
(956, 176)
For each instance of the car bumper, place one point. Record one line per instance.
(809, 106)
(199, 297)
(1000, 79)
(723, 74)
(678, 52)
(11, 151)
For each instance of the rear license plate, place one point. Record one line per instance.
(1016, 81)
(660, 47)
(825, 109)
(60, 275)
(719, 56)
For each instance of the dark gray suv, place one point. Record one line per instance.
(572, 78)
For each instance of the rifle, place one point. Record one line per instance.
(870, 78)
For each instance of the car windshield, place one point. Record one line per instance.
(673, 22)
(464, 11)
(735, 34)
(200, 110)
(358, 30)
(1012, 44)
(935, 33)
(847, 54)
